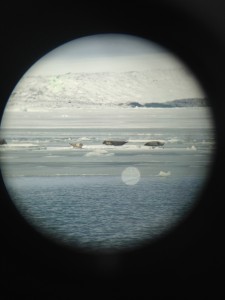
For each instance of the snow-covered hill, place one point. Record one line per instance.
(103, 89)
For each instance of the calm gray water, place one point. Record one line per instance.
(102, 211)
(84, 196)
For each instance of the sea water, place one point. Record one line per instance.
(107, 197)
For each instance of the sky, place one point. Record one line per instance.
(105, 53)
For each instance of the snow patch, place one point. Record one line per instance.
(164, 174)
(84, 138)
(98, 152)
(193, 148)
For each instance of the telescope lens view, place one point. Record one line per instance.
(106, 142)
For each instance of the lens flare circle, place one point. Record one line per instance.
(130, 175)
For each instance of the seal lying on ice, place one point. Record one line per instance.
(76, 145)
(155, 144)
(114, 143)
(2, 142)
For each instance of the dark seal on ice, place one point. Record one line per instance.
(114, 143)
(155, 144)
(2, 142)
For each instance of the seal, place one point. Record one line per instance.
(2, 142)
(114, 143)
(76, 145)
(155, 144)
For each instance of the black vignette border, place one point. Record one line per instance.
(183, 265)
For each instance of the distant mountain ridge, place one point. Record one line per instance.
(156, 88)
(189, 102)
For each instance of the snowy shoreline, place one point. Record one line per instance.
(110, 117)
